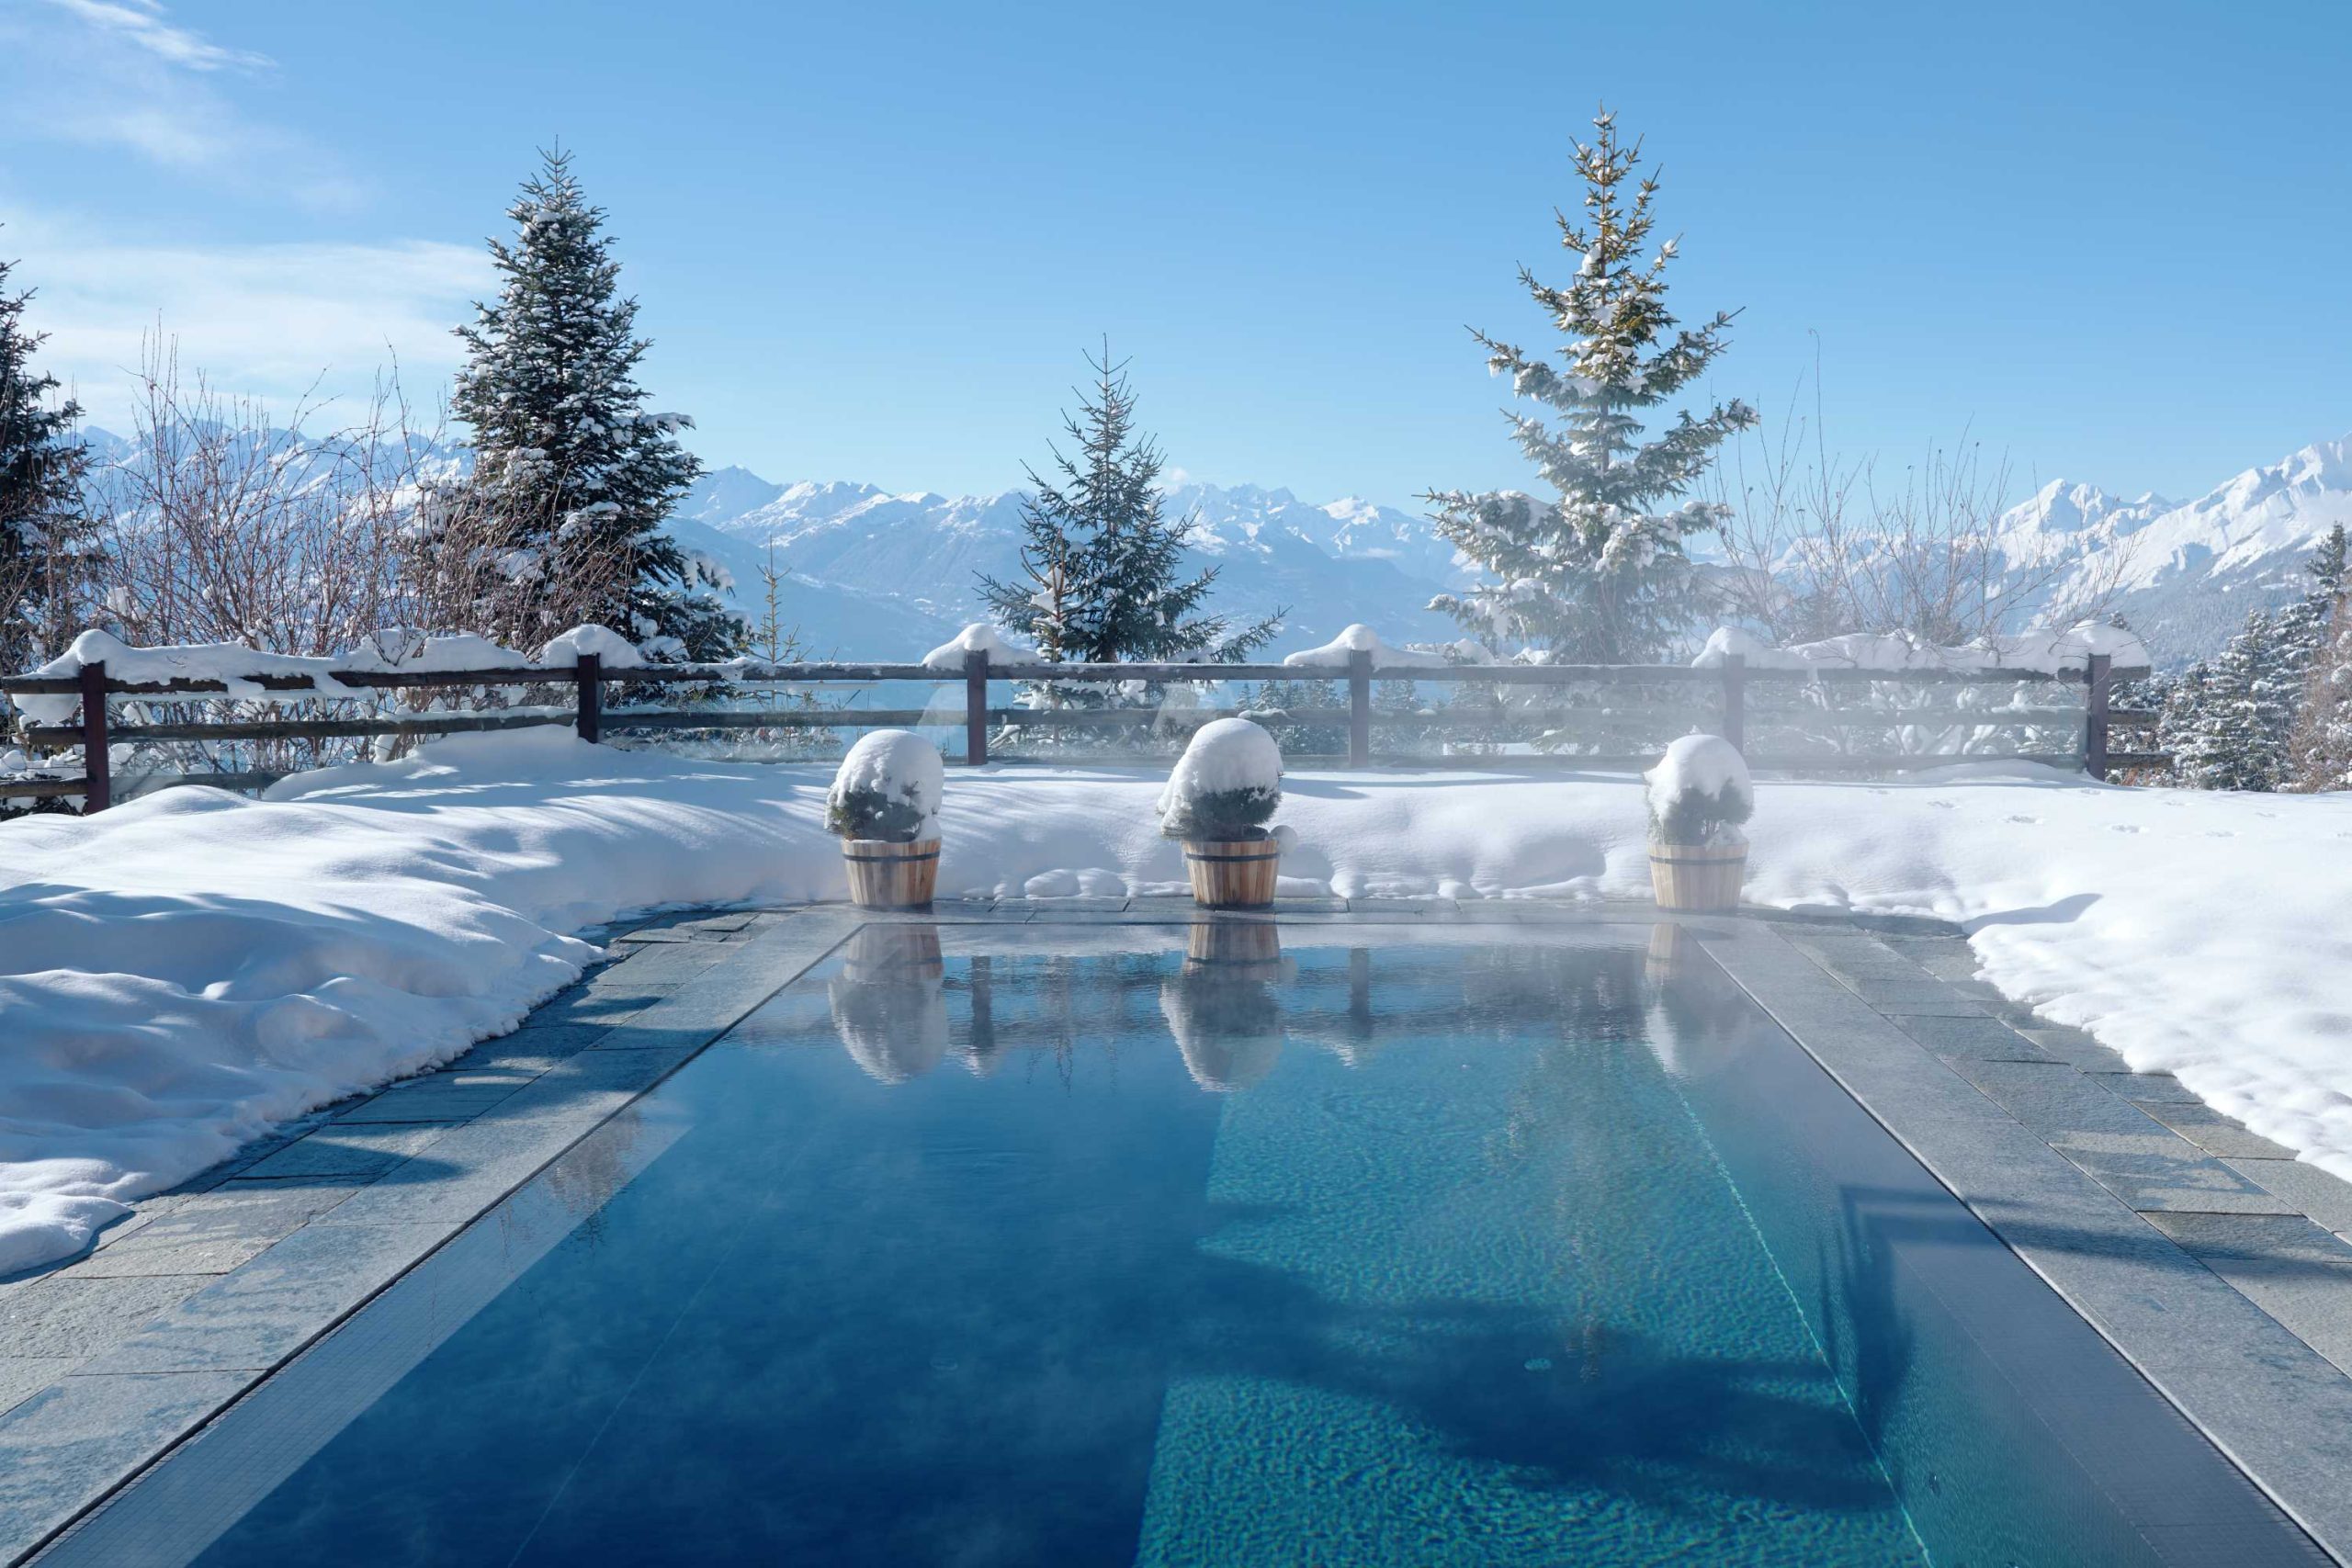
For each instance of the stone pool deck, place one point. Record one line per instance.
(2215, 1262)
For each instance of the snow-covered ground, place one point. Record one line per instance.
(183, 971)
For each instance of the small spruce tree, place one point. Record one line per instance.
(48, 539)
(1102, 565)
(2236, 715)
(1599, 574)
(575, 474)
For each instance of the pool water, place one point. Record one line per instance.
(977, 1247)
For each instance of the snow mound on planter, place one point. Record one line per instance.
(978, 637)
(895, 766)
(1334, 655)
(1702, 768)
(1229, 760)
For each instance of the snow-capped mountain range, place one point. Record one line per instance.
(2185, 575)
(872, 574)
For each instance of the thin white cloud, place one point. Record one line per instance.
(141, 22)
(120, 74)
(272, 321)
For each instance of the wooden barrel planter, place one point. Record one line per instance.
(883, 875)
(1232, 873)
(1696, 879)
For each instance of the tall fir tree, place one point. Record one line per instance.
(2319, 755)
(2238, 716)
(575, 474)
(1102, 565)
(2251, 720)
(1599, 575)
(48, 539)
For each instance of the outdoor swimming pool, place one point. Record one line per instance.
(1158, 1243)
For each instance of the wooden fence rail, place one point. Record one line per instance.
(1729, 685)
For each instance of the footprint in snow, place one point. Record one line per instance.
(2231, 833)
(2123, 827)
(2028, 821)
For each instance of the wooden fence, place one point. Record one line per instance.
(1728, 685)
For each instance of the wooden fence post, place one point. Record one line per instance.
(975, 708)
(591, 720)
(2095, 706)
(1359, 708)
(98, 769)
(1736, 700)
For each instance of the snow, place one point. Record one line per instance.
(1705, 765)
(400, 649)
(2035, 652)
(186, 970)
(1225, 754)
(614, 650)
(898, 764)
(978, 637)
(1335, 654)
(232, 663)
(237, 666)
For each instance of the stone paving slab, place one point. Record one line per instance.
(212, 1233)
(341, 1150)
(72, 1440)
(2211, 1130)
(2326, 1199)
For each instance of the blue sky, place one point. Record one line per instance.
(871, 241)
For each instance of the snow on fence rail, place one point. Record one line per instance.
(1494, 695)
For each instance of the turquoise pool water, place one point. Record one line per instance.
(989, 1247)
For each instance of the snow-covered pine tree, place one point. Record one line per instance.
(2319, 753)
(1102, 576)
(48, 539)
(2238, 717)
(1599, 575)
(2178, 700)
(572, 472)
(2323, 755)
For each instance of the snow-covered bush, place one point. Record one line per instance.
(888, 788)
(1700, 793)
(1226, 785)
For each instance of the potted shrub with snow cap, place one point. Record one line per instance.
(1698, 794)
(1223, 790)
(885, 807)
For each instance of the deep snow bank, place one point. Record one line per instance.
(182, 972)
